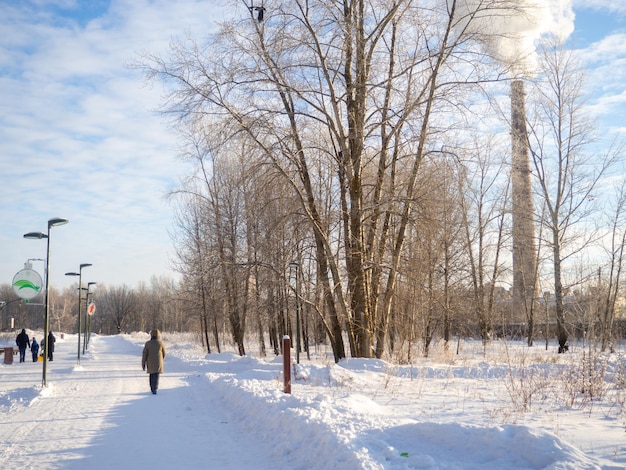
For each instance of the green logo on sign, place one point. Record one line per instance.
(27, 284)
(24, 284)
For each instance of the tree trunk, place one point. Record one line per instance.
(562, 333)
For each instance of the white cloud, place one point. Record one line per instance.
(605, 65)
(612, 6)
(79, 137)
(512, 34)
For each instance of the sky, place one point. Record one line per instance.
(224, 411)
(81, 138)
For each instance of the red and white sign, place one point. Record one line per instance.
(91, 309)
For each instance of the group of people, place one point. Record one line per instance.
(154, 352)
(23, 341)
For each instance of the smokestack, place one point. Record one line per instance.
(524, 250)
(508, 32)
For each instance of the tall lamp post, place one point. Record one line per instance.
(89, 284)
(295, 265)
(80, 295)
(54, 222)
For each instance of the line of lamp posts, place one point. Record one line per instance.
(55, 222)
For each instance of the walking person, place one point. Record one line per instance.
(50, 345)
(34, 349)
(22, 342)
(153, 354)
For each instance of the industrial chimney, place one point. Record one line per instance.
(524, 250)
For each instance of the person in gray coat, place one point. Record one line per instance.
(152, 359)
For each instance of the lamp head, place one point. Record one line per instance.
(54, 222)
(84, 265)
(35, 235)
(72, 274)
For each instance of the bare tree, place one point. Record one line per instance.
(194, 263)
(482, 201)
(616, 254)
(359, 91)
(567, 175)
(118, 304)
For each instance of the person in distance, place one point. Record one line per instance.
(152, 358)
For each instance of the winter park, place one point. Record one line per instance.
(509, 408)
(313, 234)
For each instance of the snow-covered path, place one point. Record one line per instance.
(98, 414)
(229, 412)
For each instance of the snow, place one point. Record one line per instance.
(508, 408)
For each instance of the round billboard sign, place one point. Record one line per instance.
(27, 284)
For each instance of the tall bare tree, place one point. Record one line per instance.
(362, 90)
(482, 202)
(118, 304)
(567, 172)
(616, 255)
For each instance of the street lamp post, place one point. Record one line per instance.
(54, 222)
(295, 265)
(80, 295)
(89, 284)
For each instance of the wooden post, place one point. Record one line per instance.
(287, 364)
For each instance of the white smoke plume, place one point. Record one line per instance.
(510, 29)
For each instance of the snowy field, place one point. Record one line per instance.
(512, 407)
